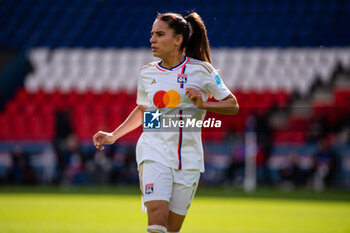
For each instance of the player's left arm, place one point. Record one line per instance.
(227, 105)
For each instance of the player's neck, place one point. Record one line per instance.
(172, 61)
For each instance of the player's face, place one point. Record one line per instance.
(164, 41)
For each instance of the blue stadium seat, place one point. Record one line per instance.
(306, 20)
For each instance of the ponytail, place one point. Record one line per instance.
(195, 40)
(198, 45)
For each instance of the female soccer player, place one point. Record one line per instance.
(169, 163)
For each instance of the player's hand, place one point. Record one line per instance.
(102, 138)
(195, 96)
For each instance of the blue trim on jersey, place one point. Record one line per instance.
(180, 128)
(171, 69)
(180, 142)
(182, 72)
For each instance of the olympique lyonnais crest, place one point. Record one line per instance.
(182, 78)
(149, 188)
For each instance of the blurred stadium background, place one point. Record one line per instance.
(68, 68)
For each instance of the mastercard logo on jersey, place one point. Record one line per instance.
(170, 99)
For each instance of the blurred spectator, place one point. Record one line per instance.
(118, 162)
(343, 137)
(73, 164)
(275, 164)
(129, 171)
(304, 170)
(22, 171)
(317, 130)
(288, 172)
(45, 165)
(5, 166)
(124, 168)
(235, 171)
(100, 167)
(326, 164)
(264, 137)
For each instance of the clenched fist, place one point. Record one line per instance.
(195, 96)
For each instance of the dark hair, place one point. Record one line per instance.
(195, 40)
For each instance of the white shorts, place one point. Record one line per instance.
(159, 182)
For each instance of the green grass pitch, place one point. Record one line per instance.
(23, 210)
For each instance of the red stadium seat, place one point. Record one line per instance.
(296, 123)
(22, 96)
(325, 110)
(4, 129)
(342, 101)
(289, 137)
(281, 98)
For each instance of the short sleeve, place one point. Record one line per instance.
(215, 86)
(141, 92)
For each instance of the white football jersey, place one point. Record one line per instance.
(164, 90)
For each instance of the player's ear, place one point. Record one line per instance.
(178, 40)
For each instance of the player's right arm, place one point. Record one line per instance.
(133, 121)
